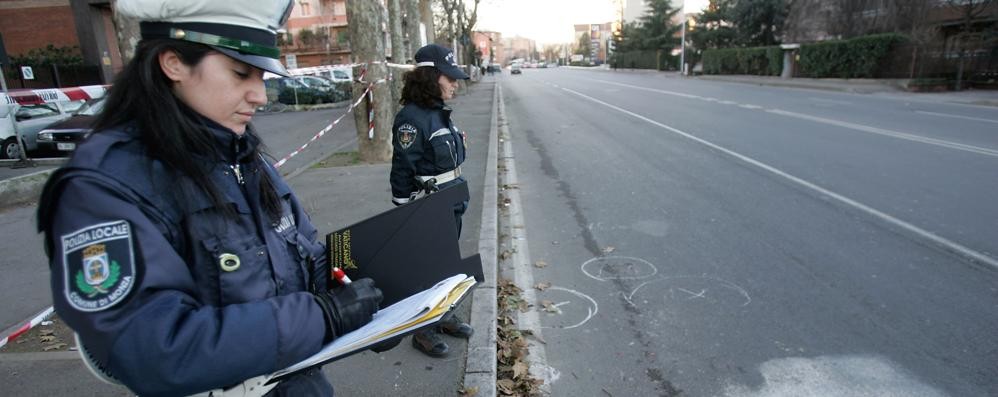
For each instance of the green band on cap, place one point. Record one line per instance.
(225, 42)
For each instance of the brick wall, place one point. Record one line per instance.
(25, 25)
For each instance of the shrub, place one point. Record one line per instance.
(753, 60)
(861, 57)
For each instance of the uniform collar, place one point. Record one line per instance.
(231, 146)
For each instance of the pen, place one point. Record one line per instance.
(340, 276)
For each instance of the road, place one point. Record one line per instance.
(708, 238)
(25, 285)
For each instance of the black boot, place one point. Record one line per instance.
(454, 327)
(430, 343)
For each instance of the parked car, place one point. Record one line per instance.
(515, 69)
(63, 136)
(300, 90)
(338, 75)
(30, 119)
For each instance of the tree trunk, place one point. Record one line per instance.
(426, 18)
(128, 33)
(395, 31)
(368, 50)
(410, 24)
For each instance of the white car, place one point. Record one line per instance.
(30, 119)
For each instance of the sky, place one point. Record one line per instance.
(550, 21)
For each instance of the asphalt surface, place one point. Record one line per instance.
(709, 238)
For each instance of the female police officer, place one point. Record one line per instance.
(429, 148)
(178, 254)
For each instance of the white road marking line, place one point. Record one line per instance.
(948, 244)
(750, 106)
(956, 116)
(859, 127)
(890, 133)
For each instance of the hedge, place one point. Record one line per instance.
(861, 57)
(649, 59)
(754, 60)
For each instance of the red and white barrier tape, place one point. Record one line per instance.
(49, 95)
(27, 326)
(323, 131)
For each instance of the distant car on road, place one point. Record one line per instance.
(515, 69)
(63, 136)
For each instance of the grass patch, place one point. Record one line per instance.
(341, 159)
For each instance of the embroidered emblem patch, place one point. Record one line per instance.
(99, 265)
(406, 135)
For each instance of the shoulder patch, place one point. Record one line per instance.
(99, 265)
(406, 135)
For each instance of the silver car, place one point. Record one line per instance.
(29, 120)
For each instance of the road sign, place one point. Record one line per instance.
(27, 73)
(291, 61)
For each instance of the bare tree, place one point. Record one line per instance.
(395, 31)
(367, 49)
(460, 24)
(128, 35)
(410, 25)
(426, 18)
(969, 11)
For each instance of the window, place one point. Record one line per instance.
(306, 8)
(29, 112)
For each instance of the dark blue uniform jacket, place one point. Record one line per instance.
(425, 143)
(172, 296)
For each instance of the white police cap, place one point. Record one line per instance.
(245, 30)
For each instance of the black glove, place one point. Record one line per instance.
(348, 307)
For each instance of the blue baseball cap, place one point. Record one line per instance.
(441, 58)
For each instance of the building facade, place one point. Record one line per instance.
(316, 34)
(88, 25)
(490, 45)
(600, 38)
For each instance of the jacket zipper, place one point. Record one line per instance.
(238, 173)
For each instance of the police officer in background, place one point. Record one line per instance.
(428, 152)
(178, 254)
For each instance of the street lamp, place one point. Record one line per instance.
(682, 45)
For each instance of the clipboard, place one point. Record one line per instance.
(406, 249)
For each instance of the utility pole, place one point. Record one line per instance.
(368, 50)
(682, 46)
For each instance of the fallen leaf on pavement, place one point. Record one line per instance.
(542, 286)
(519, 369)
(609, 249)
(540, 264)
(54, 347)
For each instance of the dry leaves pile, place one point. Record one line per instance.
(514, 377)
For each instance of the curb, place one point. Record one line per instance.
(480, 361)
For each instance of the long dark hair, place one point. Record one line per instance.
(171, 132)
(422, 87)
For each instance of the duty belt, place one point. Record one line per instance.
(443, 178)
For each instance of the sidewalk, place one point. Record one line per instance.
(335, 198)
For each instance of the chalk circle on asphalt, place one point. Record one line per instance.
(605, 268)
(698, 290)
(572, 309)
